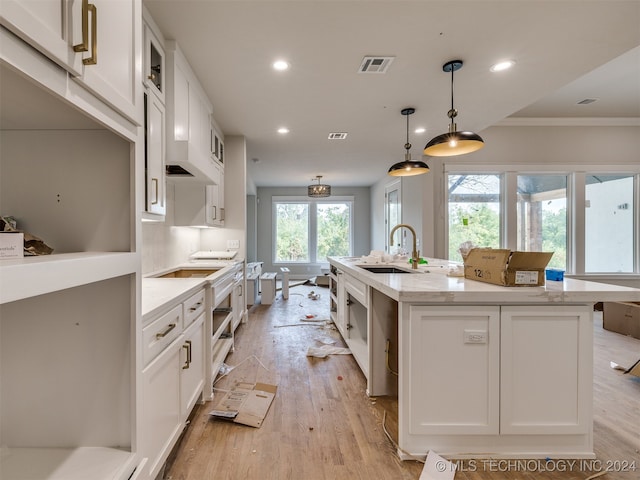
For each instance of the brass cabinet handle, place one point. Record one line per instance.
(222, 214)
(84, 46)
(195, 307)
(154, 181)
(93, 59)
(215, 212)
(187, 347)
(170, 327)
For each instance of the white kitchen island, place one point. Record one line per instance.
(480, 371)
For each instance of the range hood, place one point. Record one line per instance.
(186, 163)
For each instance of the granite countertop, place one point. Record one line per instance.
(432, 284)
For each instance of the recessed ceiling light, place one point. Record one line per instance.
(501, 66)
(280, 65)
(420, 130)
(283, 130)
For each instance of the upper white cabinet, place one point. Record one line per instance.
(154, 121)
(189, 137)
(97, 43)
(155, 191)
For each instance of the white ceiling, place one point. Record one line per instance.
(565, 51)
(556, 44)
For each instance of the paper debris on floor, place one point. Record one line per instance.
(633, 369)
(437, 468)
(325, 350)
(246, 403)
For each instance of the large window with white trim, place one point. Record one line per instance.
(591, 221)
(310, 230)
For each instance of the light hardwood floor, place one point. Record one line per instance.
(322, 425)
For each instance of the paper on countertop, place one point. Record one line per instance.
(437, 468)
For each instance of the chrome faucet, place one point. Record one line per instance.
(415, 254)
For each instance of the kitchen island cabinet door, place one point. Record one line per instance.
(453, 373)
(549, 393)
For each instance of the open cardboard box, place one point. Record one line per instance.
(246, 403)
(622, 317)
(506, 268)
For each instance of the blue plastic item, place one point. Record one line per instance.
(554, 274)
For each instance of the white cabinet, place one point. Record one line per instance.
(192, 366)
(155, 185)
(69, 318)
(239, 304)
(188, 121)
(154, 69)
(461, 344)
(43, 25)
(196, 205)
(550, 393)
(356, 320)
(97, 43)
(216, 197)
(173, 378)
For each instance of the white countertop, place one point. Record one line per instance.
(433, 285)
(158, 293)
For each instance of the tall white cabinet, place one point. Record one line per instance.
(70, 156)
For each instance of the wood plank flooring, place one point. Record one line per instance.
(323, 426)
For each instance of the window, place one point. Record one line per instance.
(308, 231)
(474, 211)
(609, 220)
(588, 219)
(542, 216)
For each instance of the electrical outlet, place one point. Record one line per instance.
(475, 336)
(233, 243)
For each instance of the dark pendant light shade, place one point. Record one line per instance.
(453, 142)
(408, 167)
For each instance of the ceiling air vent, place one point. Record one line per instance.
(337, 136)
(587, 101)
(375, 64)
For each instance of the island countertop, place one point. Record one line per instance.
(432, 284)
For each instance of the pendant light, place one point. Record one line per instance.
(408, 167)
(453, 142)
(318, 190)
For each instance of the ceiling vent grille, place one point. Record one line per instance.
(375, 64)
(337, 136)
(587, 101)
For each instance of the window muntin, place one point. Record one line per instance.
(609, 223)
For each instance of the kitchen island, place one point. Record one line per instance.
(480, 371)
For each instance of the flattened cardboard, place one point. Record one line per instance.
(506, 268)
(622, 317)
(246, 403)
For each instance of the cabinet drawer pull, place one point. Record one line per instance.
(195, 307)
(215, 212)
(170, 327)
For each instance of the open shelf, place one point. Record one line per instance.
(31, 276)
(220, 351)
(96, 463)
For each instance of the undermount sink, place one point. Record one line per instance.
(189, 273)
(386, 269)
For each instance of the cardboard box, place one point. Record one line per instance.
(246, 403)
(622, 317)
(11, 245)
(506, 268)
